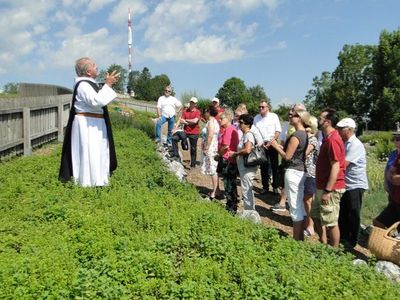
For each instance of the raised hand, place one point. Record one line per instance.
(112, 78)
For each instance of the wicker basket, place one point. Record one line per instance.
(383, 246)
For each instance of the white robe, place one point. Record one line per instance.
(89, 140)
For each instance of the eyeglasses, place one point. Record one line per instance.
(293, 116)
(261, 106)
(167, 91)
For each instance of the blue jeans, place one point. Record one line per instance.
(160, 123)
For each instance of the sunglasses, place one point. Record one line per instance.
(167, 91)
(293, 116)
(262, 106)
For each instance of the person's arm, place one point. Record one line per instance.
(291, 148)
(335, 167)
(309, 149)
(192, 121)
(210, 133)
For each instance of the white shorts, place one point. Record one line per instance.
(294, 188)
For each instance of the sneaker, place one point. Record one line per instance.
(277, 207)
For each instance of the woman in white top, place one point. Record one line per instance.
(209, 148)
(247, 174)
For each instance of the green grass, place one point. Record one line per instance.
(148, 236)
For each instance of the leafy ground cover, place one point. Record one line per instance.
(147, 236)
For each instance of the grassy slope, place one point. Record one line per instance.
(149, 236)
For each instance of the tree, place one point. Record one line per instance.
(11, 88)
(385, 110)
(256, 94)
(119, 86)
(282, 111)
(318, 97)
(352, 86)
(233, 92)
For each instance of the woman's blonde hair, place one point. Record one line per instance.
(304, 116)
(241, 109)
(313, 127)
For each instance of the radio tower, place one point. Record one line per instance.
(129, 49)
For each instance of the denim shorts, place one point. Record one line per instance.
(309, 186)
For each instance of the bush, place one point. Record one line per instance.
(147, 236)
(382, 143)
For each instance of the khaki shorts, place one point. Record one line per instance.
(327, 214)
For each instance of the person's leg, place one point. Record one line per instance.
(309, 224)
(354, 215)
(214, 181)
(175, 140)
(265, 176)
(330, 217)
(344, 217)
(230, 193)
(294, 188)
(246, 182)
(159, 125)
(171, 123)
(316, 216)
(334, 236)
(193, 149)
(274, 161)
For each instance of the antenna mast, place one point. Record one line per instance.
(129, 89)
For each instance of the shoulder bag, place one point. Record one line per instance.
(256, 156)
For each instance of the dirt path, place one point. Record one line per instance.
(264, 202)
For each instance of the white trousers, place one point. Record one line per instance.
(90, 151)
(294, 188)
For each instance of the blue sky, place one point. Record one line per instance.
(278, 44)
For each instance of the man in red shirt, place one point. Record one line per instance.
(330, 180)
(190, 119)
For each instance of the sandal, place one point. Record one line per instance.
(307, 233)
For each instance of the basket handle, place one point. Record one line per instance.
(389, 230)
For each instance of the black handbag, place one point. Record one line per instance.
(256, 156)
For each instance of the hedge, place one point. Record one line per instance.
(148, 236)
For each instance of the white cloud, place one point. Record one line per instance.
(179, 31)
(245, 6)
(89, 44)
(203, 49)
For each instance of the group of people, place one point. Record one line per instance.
(323, 182)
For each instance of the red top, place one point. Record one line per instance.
(189, 115)
(229, 137)
(332, 149)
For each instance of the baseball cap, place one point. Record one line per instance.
(193, 99)
(346, 122)
(215, 100)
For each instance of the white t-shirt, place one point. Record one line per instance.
(268, 125)
(168, 106)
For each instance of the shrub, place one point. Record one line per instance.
(382, 143)
(147, 236)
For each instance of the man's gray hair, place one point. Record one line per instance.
(82, 65)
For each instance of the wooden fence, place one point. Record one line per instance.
(29, 122)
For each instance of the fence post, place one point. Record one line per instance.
(26, 116)
(60, 121)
